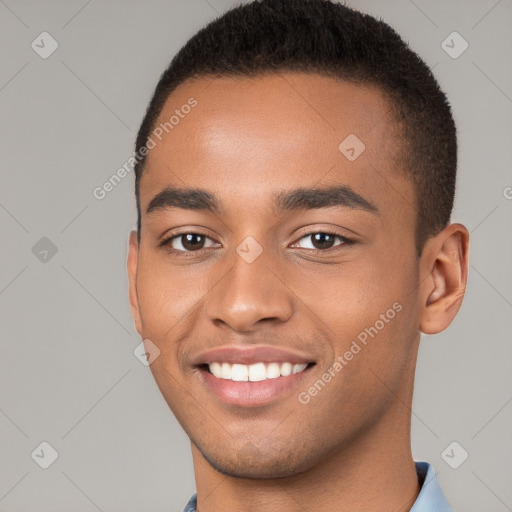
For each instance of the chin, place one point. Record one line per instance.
(251, 463)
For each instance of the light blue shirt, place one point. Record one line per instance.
(430, 498)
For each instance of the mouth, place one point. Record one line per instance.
(252, 376)
(256, 372)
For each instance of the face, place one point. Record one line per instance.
(295, 254)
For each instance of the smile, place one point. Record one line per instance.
(252, 375)
(254, 372)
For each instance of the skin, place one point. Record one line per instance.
(349, 447)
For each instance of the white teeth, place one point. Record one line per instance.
(257, 372)
(286, 369)
(226, 371)
(298, 367)
(273, 371)
(254, 372)
(215, 368)
(239, 372)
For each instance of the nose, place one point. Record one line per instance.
(248, 295)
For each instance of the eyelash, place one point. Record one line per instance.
(166, 243)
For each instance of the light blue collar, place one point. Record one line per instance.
(431, 497)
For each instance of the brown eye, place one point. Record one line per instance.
(192, 241)
(321, 241)
(187, 242)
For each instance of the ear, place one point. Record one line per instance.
(443, 274)
(133, 255)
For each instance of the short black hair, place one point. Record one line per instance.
(328, 38)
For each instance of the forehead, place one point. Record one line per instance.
(250, 136)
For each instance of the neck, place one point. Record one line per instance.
(374, 472)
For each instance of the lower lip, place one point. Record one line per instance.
(247, 393)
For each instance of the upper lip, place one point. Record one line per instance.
(250, 355)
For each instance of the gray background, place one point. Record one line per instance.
(68, 375)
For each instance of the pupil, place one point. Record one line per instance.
(322, 240)
(192, 241)
(189, 244)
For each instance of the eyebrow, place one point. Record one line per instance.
(290, 200)
(313, 198)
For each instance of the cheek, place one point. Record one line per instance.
(168, 299)
(372, 322)
(371, 305)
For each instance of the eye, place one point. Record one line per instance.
(195, 242)
(322, 241)
(187, 242)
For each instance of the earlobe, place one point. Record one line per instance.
(133, 253)
(444, 269)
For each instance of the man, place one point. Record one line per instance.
(295, 180)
